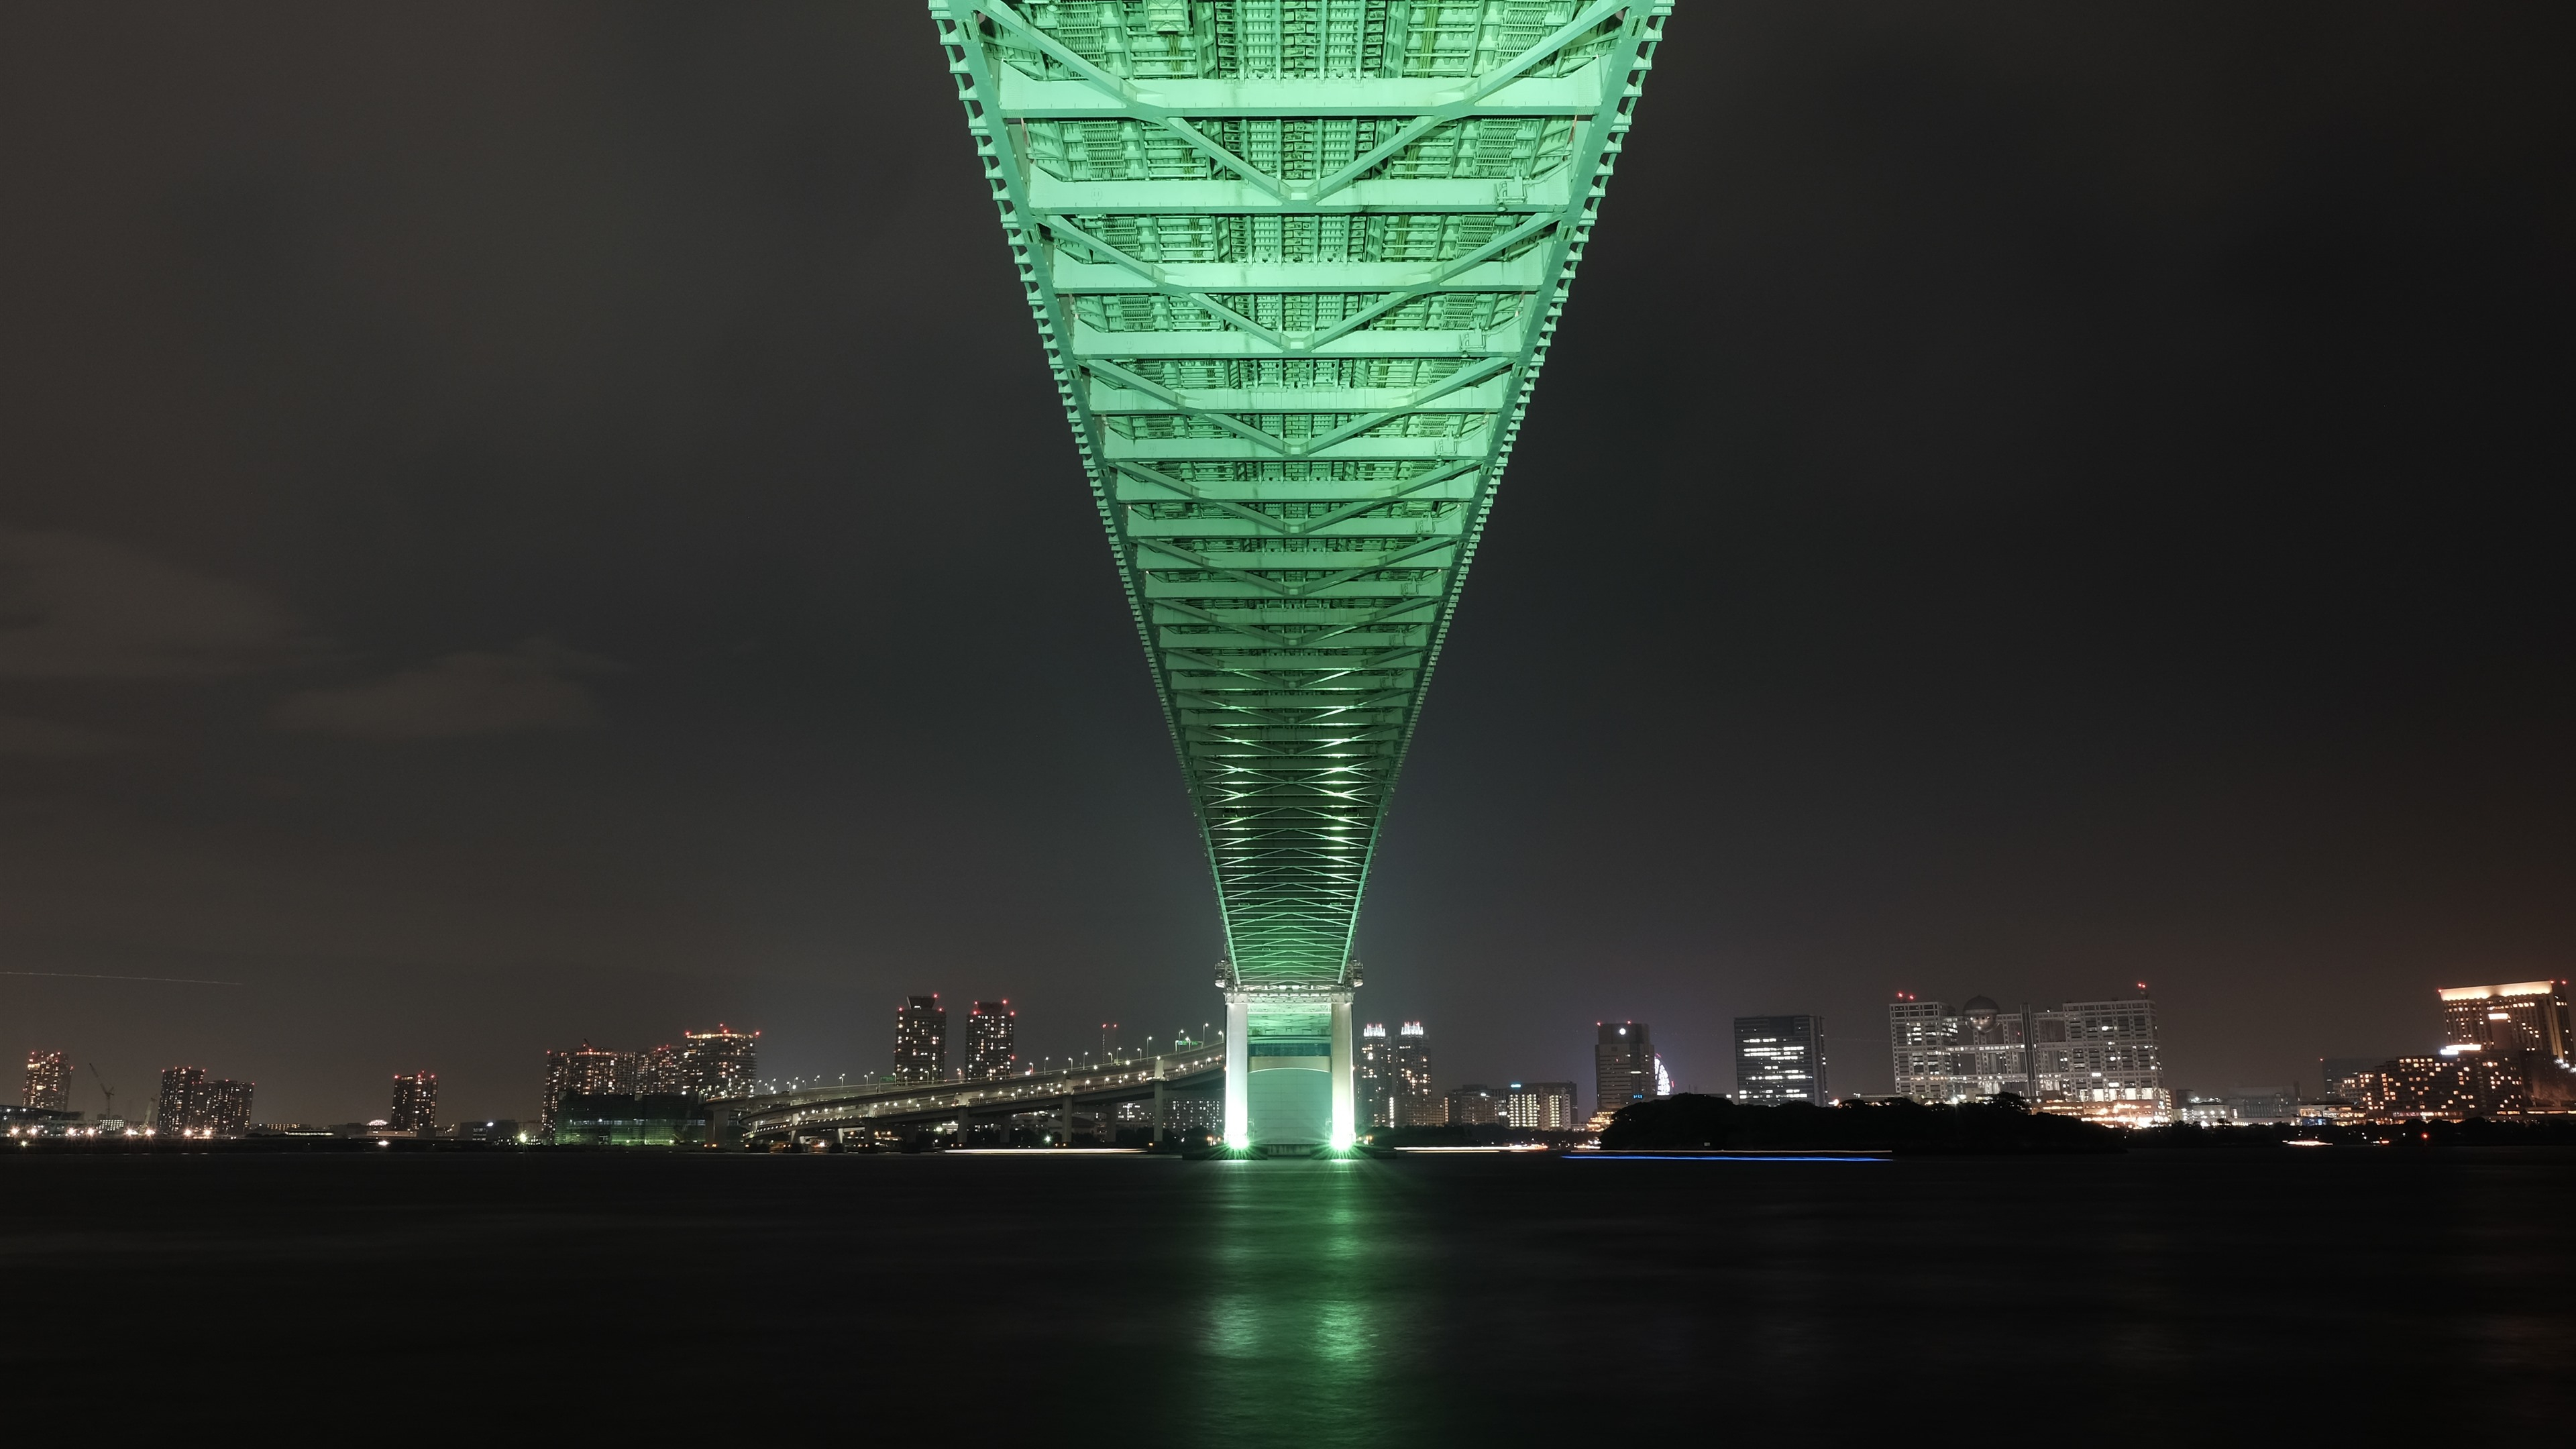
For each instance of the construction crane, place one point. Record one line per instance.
(104, 1090)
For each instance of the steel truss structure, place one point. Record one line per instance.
(1296, 264)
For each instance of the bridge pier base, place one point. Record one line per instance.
(1288, 1064)
(1238, 1072)
(1345, 1122)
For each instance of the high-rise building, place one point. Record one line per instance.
(992, 1041)
(1943, 1055)
(1623, 1065)
(1109, 1039)
(722, 1062)
(176, 1110)
(1780, 1059)
(1475, 1105)
(192, 1106)
(586, 1071)
(2094, 1058)
(2523, 1016)
(1545, 1106)
(227, 1111)
(415, 1103)
(1409, 1061)
(664, 1070)
(921, 1040)
(1373, 1077)
(2463, 1080)
(2098, 1058)
(49, 1082)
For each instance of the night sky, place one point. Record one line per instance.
(523, 523)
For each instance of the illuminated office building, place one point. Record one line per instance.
(2523, 1016)
(1946, 1055)
(49, 1082)
(921, 1040)
(1544, 1106)
(2098, 1059)
(1373, 1077)
(1415, 1104)
(1624, 1068)
(992, 1041)
(415, 1104)
(1780, 1059)
(2092, 1058)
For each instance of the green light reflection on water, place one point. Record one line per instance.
(1301, 1306)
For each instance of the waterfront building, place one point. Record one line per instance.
(2347, 1079)
(192, 1106)
(1624, 1067)
(1475, 1105)
(2523, 1016)
(992, 1041)
(1544, 1106)
(2100, 1059)
(1373, 1077)
(1946, 1055)
(662, 1069)
(227, 1112)
(2263, 1104)
(1201, 1117)
(1780, 1059)
(415, 1104)
(626, 1119)
(2463, 1080)
(722, 1062)
(586, 1071)
(921, 1040)
(1415, 1105)
(704, 1064)
(2203, 1109)
(49, 1082)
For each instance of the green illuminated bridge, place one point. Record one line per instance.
(1296, 264)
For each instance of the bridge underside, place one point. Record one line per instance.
(1296, 264)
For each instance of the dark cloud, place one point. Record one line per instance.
(74, 606)
(472, 693)
(47, 740)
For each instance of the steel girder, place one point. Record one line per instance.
(1296, 264)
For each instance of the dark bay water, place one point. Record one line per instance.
(2170, 1297)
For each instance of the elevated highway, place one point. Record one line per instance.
(831, 1113)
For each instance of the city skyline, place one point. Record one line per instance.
(2504, 1046)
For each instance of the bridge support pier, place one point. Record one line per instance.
(1345, 1118)
(1238, 1071)
(1288, 1063)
